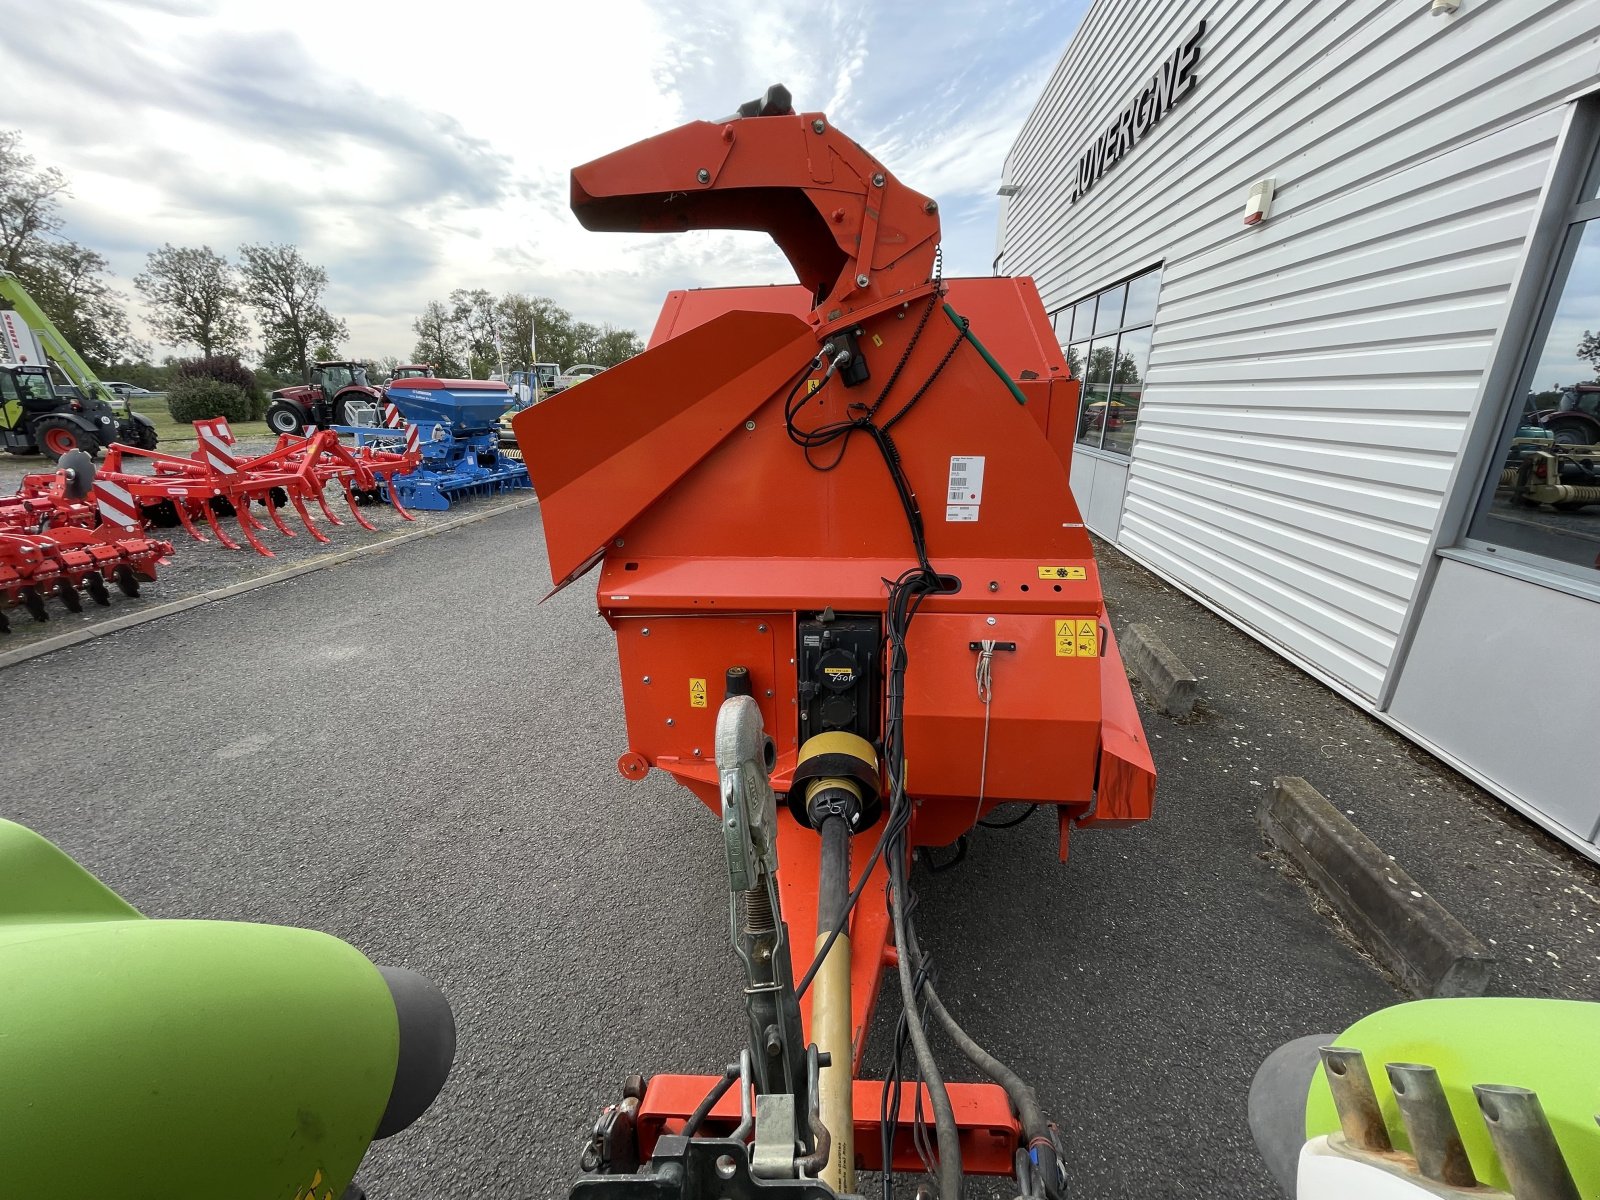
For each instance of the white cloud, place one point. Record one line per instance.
(416, 148)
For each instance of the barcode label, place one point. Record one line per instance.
(964, 493)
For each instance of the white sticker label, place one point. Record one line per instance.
(965, 492)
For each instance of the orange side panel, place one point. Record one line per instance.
(1127, 772)
(602, 454)
(1062, 430)
(690, 308)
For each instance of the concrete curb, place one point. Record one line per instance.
(1170, 684)
(170, 608)
(1404, 928)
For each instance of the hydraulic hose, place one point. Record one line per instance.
(944, 1117)
(1023, 1098)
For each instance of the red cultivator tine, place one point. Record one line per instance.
(305, 517)
(211, 520)
(184, 519)
(241, 506)
(326, 511)
(272, 511)
(354, 511)
(248, 525)
(394, 500)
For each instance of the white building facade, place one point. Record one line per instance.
(1357, 426)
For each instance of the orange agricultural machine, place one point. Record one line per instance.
(844, 568)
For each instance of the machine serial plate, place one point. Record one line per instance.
(965, 492)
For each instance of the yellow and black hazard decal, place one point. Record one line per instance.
(1063, 573)
(1078, 637)
(697, 693)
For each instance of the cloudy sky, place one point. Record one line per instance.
(412, 149)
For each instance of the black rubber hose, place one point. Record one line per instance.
(1023, 1098)
(717, 1092)
(833, 875)
(944, 1116)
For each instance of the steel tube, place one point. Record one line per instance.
(1529, 1154)
(1359, 1115)
(1435, 1140)
(830, 1006)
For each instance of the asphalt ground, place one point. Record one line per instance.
(411, 752)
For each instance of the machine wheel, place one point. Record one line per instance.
(144, 436)
(163, 514)
(284, 418)
(34, 603)
(1571, 431)
(56, 436)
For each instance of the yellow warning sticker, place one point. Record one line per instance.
(876, 340)
(697, 693)
(1077, 639)
(1088, 639)
(812, 385)
(1063, 573)
(1066, 643)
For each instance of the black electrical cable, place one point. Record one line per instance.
(1024, 1099)
(905, 597)
(944, 1117)
(1012, 822)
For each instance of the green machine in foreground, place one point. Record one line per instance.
(193, 1060)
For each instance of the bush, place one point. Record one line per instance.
(226, 368)
(196, 397)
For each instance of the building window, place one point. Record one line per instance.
(1542, 494)
(1106, 338)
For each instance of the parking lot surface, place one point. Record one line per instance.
(411, 752)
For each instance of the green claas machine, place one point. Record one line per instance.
(193, 1060)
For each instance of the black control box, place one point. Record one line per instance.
(840, 674)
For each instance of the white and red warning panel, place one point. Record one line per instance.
(965, 492)
(216, 445)
(116, 504)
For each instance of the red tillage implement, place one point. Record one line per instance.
(215, 482)
(847, 504)
(50, 544)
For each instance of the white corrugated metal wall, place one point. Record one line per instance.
(1310, 379)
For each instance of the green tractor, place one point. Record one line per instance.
(36, 418)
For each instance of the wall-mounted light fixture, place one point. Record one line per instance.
(1008, 190)
(1443, 8)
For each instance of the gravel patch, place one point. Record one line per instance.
(195, 568)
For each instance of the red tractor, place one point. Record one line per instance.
(326, 400)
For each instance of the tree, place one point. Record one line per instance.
(521, 317)
(29, 197)
(64, 278)
(615, 345)
(286, 293)
(1589, 350)
(477, 318)
(437, 339)
(194, 297)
